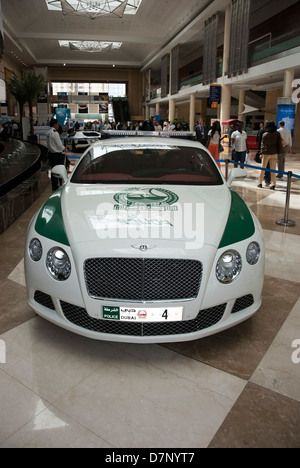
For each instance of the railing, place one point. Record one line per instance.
(281, 222)
(259, 49)
(268, 45)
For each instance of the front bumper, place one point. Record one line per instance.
(208, 321)
(217, 307)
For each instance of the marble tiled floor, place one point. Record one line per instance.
(240, 388)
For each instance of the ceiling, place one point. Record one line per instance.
(32, 33)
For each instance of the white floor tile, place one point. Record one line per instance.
(278, 199)
(279, 370)
(51, 361)
(53, 429)
(124, 395)
(282, 255)
(18, 405)
(153, 397)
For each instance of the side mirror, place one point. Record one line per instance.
(60, 172)
(236, 173)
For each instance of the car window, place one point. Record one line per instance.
(147, 164)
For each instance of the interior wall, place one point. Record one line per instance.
(11, 66)
(132, 77)
(183, 111)
(296, 140)
(271, 103)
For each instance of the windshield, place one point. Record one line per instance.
(147, 164)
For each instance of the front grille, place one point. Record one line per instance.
(243, 303)
(205, 319)
(137, 279)
(44, 300)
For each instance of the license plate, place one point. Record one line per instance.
(122, 314)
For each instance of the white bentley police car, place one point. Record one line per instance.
(145, 243)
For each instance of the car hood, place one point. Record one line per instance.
(191, 214)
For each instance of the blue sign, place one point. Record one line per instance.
(62, 115)
(215, 94)
(158, 118)
(287, 114)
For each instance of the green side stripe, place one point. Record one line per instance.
(50, 222)
(240, 225)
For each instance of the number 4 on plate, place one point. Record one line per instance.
(165, 314)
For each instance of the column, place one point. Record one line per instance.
(289, 76)
(226, 103)
(43, 108)
(170, 75)
(147, 112)
(225, 111)
(171, 109)
(192, 111)
(226, 39)
(242, 98)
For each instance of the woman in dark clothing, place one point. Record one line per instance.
(259, 140)
(270, 148)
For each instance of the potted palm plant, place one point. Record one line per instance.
(33, 87)
(16, 89)
(26, 90)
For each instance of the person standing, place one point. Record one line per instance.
(262, 131)
(201, 132)
(231, 130)
(166, 126)
(240, 143)
(287, 144)
(271, 147)
(214, 139)
(259, 136)
(56, 150)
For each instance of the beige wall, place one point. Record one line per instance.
(132, 77)
(296, 140)
(271, 104)
(183, 110)
(11, 66)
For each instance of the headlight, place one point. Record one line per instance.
(58, 264)
(35, 250)
(253, 253)
(229, 267)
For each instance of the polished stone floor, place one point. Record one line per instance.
(240, 388)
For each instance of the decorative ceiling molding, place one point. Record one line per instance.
(94, 9)
(91, 46)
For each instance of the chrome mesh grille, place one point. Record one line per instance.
(137, 279)
(205, 319)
